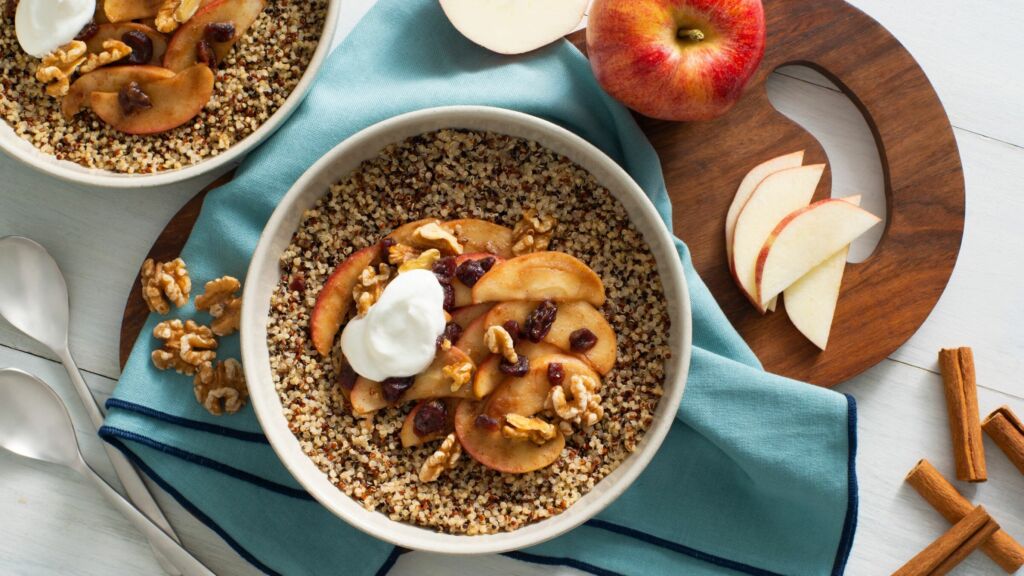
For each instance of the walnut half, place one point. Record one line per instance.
(163, 281)
(220, 298)
(533, 429)
(113, 50)
(58, 67)
(221, 389)
(187, 346)
(443, 459)
(532, 233)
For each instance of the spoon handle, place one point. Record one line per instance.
(136, 489)
(181, 558)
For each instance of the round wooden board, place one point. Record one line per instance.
(884, 299)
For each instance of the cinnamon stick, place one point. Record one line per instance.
(962, 404)
(938, 492)
(951, 548)
(1006, 430)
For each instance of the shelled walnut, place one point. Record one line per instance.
(113, 50)
(534, 429)
(220, 298)
(499, 341)
(163, 281)
(172, 13)
(443, 459)
(532, 233)
(370, 286)
(458, 374)
(422, 262)
(581, 405)
(434, 235)
(57, 67)
(400, 253)
(221, 389)
(187, 346)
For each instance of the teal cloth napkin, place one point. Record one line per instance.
(756, 476)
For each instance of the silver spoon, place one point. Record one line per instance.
(34, 299)
(35, 423)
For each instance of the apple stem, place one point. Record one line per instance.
(694, 35)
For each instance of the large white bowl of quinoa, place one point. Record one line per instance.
(258, 86)
(453, 162)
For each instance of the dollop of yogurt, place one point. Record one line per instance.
(398, 336)
(42, 26)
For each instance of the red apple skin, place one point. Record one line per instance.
(638, 56)
(335, 298)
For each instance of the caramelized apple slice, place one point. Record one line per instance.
(472, 341)
(367, 397)
(181, 52)
(465, 315)
(572, 316)
(482, 236)
(335, 299)
(488, 374)
(175, 101)
(463, 293)
(432, 383)
(125, 10)
(116, 31)
(540, 276)
(409, 436)
(108, 79)
(404, 233)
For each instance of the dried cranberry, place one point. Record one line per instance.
(487, 263)
(449, 297)
(298, 282)
(444, 269)
(88, 32)
(512, 327)
(452, 332)
(394, 387)
(469, 272)
(556, 373)
(539, 322)
(430, 418)
(582, 340)
(385, 246)
(141, 45)
(205, 54)
(347, 377)
(519, 369)
(486, 422)
(220, 31)
(132, 99)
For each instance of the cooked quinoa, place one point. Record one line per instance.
(460, 174)
(253, 81)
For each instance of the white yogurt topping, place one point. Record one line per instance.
(43, 26)
(398, 336)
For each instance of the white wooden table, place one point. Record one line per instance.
(53, 523)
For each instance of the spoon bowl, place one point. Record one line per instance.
(33, 294)
(33, 420)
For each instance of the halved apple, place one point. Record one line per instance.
(335, 298)
(464, 294)
(489, 375)
(125, 10)
(805, 239)
(482, 236)
(540, 276)
(408, 434)
(115, 31)
(181, 51)
(514, 27)
(571, 316)
(811, 300)
(465, 315)
(777, 196)
(749, 184)
(175, 101)
(108, 79)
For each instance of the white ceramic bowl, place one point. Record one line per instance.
(264, 274)
(20, 149)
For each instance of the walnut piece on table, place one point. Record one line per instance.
(163, 281)
(113, 50)
(443, 459)
(58, 66)
(220, 298)
(187, 346)
(532, 233)
(534, 429)
(221, 389)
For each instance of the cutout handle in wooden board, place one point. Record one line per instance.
(884, 299)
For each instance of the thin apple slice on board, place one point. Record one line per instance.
(811, 301)
(514, 26)
(805, 239)
(749, 184)
(777, 196)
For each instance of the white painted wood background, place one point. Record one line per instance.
(53, 523)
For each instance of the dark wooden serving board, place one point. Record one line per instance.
(884, 299)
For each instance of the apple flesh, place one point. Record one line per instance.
(175, 101)
(335, 298)
(367, 395)
(489, 375)
(749, 184)
(540, 276)
(464, 294)
(125, 10)
(472, 341)
(805, 239)
(181, 51)
(408, 434)
(481, 236)
(676, 59)
(115, 31)
(465, 315)
(108, 79)
(517, 26)
(404, 234)
(777, 196)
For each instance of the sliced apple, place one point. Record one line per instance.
(108, 79)
(749, 184)
(472, 341)
(514, 27)
(181, 51)
(482, 236)
(125, 10)
(777, 196)
(115, 31)
(432, 383)
(366, 396)
(335, 298)
(811, 300)
(404, 233)
(489, 375)
(805, 239)
(571, 316)
(175, 101)
(464, 294)
(465, 315)
(408, 434)
(540, 276)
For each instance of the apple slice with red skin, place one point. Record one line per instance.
(489, 375)
(540, 276)
(464, 294)
(482, 236)
(408, 434)
(115, 31)
(368, 395)
(571, 316)
(175, 101)
(108, 79)
(181, 51)
(750, 182)
(335, 298)
(465, 315)
(805, 239)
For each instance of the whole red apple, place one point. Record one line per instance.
(676, 59)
